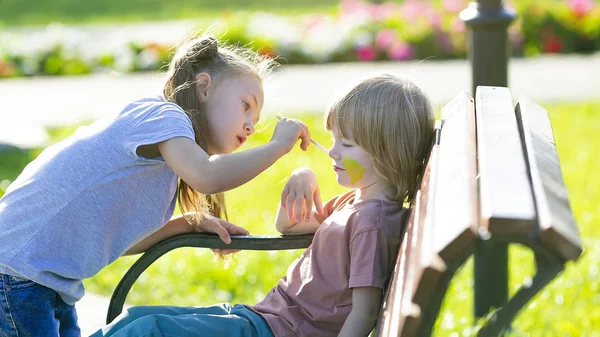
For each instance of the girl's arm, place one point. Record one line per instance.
(178, 225)
(366, 302)
(295, 214)
(219, 173)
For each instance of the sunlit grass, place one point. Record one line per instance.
(569, 306)
(19, 13)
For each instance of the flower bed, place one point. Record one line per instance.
(359, 31)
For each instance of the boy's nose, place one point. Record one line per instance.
(333, 154)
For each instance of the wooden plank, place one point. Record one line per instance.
(558, 230)
(429, 267)
(399, 315)
(397, 306)
(506, 199)
(455, 217)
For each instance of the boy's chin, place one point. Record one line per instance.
(344, 182)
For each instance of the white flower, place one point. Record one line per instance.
(272, 27)
(363, 38)
(148, 58)
(30, 66)
(324, 39)
(124, 59)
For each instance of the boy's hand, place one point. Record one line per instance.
(288, 131)
(299, 193)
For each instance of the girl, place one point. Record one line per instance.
(382, 131)
(96, 195)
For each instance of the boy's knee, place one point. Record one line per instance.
(144, 326)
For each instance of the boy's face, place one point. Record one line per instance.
(233, 108)
(351, 163)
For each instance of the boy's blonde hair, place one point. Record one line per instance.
(198, 55)
(392, 119)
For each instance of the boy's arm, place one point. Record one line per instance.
(285, 225)
(366, 302)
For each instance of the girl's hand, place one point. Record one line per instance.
(220, 227)
(299, 193)
(288, 131)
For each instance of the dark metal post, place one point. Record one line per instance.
(488, 49)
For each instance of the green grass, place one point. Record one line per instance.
(19, 12)
(38, 12)
(569, 306)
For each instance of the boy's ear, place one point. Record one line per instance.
(203, 81)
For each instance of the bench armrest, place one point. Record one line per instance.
(198, 240)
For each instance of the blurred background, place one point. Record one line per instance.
(67, 63)
(63, 37)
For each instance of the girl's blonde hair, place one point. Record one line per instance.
(392, 119)
(204, 54)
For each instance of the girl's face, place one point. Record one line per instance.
(352, 164)
(233, 108)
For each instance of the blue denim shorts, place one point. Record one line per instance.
(30, 309)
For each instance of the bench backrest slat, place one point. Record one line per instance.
(558, 230)
(397, 307)
(456, 211)
(399, 315)
(426, 268)
(506, 199)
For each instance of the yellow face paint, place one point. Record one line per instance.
(355, 170)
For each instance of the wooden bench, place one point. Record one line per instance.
(493, 177)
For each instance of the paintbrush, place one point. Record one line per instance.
(321, 147)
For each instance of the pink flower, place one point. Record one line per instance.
(551, 43)
(353, 6)
(444, 41)
(454, 6)
(384, 11)
(313, 22)
(7, 69)
(458, 25)
(412, 10)
(385, 38)
(401, 51)
(517, 40)
(581, 7)
(434, 17)
(366, 53)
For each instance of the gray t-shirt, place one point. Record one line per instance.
(84, 201)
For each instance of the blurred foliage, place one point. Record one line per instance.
(355, 31)
(569, 306)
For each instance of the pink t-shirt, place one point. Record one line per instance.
(355, 246)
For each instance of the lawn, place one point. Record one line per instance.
(569, 306)
(37, 12)
(19, 12)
